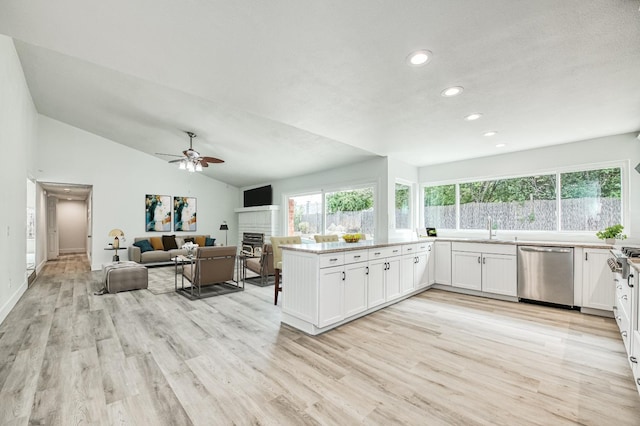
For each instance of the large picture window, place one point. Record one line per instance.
(332, 212)
(440, 207)
(525, 203)
(591, 199)
(585, 200)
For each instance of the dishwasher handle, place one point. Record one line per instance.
(546, 249)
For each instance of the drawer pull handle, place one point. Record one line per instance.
(624, 297)
(367, 273)
(624, 333)
(638, 382)
(619, 287)
(344, 276)
(377, 253)
(633, 359)
(356, 257)
(333, 260)
(395, 251)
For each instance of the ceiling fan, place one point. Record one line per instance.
(191, 159)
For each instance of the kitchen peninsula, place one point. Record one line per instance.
(329, 284)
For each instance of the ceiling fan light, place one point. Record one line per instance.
(182, 165)
(190, 167)
(198, 167)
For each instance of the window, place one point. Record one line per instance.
(525, 203)
(591, 199)
(585, 200)
(440, 207)
(337, 212)
(403, 206)
(349, 212)
(305, 216)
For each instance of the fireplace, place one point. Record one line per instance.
(252, 241)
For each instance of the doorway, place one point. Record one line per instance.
(68, 219)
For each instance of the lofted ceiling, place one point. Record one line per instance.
(282, 88)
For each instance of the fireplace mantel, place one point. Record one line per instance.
(256, 209)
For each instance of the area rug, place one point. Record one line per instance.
(257, 281)
(162, 280)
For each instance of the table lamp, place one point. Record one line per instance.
(224, 227)
(117, 236)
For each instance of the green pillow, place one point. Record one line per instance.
(144, 245)
(208, 242)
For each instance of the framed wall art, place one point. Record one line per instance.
(184, 214)
(157, 213)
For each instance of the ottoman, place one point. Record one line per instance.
(124, 276)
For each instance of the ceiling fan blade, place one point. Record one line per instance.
(203, 163)
(212, 160)
(170, 155)
(175, 161)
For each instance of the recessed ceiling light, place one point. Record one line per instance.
(419, 57)
(452, 91)
(500, 145)
(473, 116)
(491, 133)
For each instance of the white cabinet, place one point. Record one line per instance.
(598, 290)
(442, 262)
(416, 271)
(384, 275)
(490, 268)
(342, 290)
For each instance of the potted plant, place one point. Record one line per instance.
(611, 234)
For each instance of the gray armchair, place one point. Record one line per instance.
(212, 265)
(263, 265)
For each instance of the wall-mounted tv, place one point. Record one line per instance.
(258, 196)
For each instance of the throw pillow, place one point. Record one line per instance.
(156, 243)
(180, 242)
(144, 245)
(169, 242)
(209, 242)
(188, 240)
(200, 240)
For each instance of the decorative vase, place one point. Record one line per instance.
(611, 241)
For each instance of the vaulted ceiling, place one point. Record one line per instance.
(282, 88)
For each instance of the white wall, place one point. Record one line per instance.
(72, 226)
(370, 171)
(121, 177)
(624, 148)
(18, 119)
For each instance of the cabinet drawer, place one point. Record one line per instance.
(625, 330)
(382, 252)
(356, 256)
(409, 248)
(623, 300)
(331, 259)
(422, 247)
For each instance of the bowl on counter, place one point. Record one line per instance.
(351, 238)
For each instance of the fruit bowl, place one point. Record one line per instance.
(351, 238)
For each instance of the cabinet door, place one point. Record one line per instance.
(330, 296)
(442, 254)
(422, 270)
(407, 279)
(376, 292)
(466, 270)
(431, 266)
(598, 289)
(500, 274)
(392, 278)
(355, 288)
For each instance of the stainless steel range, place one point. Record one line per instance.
(618, 262)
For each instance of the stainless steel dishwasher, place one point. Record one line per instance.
(545, 274)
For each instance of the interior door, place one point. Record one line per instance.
(52, 228)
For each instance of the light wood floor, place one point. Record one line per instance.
(69, 357)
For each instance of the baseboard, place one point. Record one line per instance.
(13, 300)
(73, 251)
(40, 266)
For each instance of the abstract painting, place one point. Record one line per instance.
(157, 213)
(184, 214)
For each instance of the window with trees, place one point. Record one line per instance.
(403, 206)
(440, 207)
(336, 212)
(585, 200)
